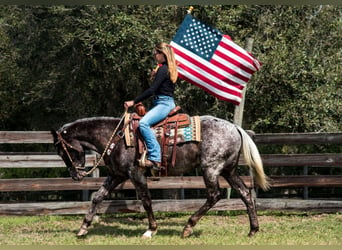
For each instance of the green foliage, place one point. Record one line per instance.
(299, 86)
(60, 63)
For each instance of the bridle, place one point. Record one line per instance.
(65, 146)
(112, 142)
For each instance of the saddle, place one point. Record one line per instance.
(166, 133)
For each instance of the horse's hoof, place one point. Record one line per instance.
(187, 232)
(148, 234)
(82, 232)
(252, 233)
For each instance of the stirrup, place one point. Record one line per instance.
(155, 167)
(142, 160)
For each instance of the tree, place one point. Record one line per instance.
(299, 87)
(61, 63)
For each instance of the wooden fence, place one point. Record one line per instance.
(52, 160)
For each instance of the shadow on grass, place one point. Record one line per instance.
(115, 231)
(131, 233)
(135, 224)
(136, 227)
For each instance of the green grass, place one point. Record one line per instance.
(216, 228)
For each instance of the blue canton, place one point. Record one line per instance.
(197, 37)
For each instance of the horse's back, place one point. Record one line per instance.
(220, 140)
(219, 131)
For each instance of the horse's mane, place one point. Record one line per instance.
(88, 120)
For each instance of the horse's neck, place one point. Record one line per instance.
(97, 133)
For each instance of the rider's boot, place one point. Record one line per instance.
(153, 164)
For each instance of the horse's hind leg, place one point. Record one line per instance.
(246, 195)
(213, 196)
(109, 184)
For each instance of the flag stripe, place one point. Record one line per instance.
(241, 53)
(187, 57)
(226, 64)
(219, 94)
(199, 75)
(229, 59)
(227, 54)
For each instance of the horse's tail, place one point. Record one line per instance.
(253, 159)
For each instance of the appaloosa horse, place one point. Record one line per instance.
(216, 155)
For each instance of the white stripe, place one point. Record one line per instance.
(206, 74)
(210, 87)
(236, 58)
(209, 65)
(237, 47)
(230, 65)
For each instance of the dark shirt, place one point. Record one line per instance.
(161, 85)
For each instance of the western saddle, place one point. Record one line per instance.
(168, 143)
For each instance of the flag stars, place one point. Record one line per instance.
(201, 38)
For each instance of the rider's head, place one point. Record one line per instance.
(164, 52)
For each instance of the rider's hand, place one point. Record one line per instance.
(128, 104)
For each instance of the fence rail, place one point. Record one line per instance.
(52, 160)
(34, 160)
(188, 205)
(298, 138)
(188, 182)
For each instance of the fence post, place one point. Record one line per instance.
(238, 111)
(86, 195)
(306, 189)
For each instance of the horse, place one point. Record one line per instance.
(217, 154)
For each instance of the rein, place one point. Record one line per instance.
(66, 145)
(108, 143)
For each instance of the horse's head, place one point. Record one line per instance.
(72, 153)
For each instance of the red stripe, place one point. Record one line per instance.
(239, 54)
(236, 63)
(229, 70)
(208, 90)
(210, 82)
(207, 69)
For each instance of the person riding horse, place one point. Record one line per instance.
(162, 87)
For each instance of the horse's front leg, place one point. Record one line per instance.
(107, 187)
(140, 183)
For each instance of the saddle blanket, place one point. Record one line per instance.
(184, 134)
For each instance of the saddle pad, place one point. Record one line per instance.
(184, 134)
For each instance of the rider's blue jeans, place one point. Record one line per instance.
(162, 105)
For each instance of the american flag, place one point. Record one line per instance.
(212, 61)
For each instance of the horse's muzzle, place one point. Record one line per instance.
(77, 175)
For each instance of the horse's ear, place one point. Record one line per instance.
(54, 134)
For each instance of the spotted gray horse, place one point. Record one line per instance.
(216, 155)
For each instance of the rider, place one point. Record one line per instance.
(162, 87)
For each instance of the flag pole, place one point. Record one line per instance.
(238, 112)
